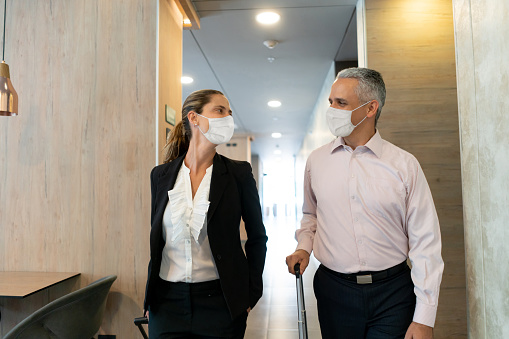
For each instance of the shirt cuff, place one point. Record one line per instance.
(425, 314)
(305, 244)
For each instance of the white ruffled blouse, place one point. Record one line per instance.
(186, 255)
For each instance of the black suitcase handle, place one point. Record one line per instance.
(139, 322)
(296, 268)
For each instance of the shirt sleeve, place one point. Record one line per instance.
(306, 234)
(425, 248)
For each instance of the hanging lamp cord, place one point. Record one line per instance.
(3, 49)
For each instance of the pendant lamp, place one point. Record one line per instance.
(8, 95)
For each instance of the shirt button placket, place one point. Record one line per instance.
(189, 259)
(354, 206)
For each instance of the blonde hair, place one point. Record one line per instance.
(178, 140)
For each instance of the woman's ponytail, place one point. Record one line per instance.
(177, 143)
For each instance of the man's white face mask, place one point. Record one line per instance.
(340, 121)
(220, 129)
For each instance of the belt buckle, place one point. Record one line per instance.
(364, 279)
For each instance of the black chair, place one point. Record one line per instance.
(77, 315)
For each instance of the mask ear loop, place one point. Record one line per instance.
(364, 104)
(365, 116)
(199, 125)
(190, 119)
(361, 121)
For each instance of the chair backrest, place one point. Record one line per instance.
(77, 315)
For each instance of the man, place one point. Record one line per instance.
(367, 208)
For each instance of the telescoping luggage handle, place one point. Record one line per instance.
(303, 327)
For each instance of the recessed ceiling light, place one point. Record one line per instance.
(187, 22)
(274, 103)
(277, 151)
(268, 18)
(276, 135)
(186, 80)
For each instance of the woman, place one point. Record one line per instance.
(200, 283)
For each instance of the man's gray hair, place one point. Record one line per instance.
(371, 86)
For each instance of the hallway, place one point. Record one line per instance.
(275, 315)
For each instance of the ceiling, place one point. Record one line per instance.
(227, 54)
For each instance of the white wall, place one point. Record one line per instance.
(318, 134)
(238, 148)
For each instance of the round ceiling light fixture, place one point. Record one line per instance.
(276, 135)
(274, 103)
(186, 80)
(268, 18)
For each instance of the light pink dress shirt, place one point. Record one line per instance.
(369, 209)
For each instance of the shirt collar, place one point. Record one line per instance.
(374, 144)
(339, 142)
(188, 171)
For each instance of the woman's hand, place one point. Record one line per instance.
(146, 314)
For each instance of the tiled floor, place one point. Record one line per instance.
(275, 315)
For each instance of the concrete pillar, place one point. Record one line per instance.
(481, 35)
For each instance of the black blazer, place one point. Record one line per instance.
(233, 194)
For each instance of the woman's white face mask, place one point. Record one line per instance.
(340, 121)
(220, 129)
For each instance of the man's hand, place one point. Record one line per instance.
(299, 256)
(419, 331)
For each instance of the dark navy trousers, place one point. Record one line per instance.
(381, 310)
(192, 311)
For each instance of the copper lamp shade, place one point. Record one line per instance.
(8, 95)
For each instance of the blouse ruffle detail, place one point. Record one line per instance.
(184, 216)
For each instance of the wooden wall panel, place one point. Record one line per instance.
(75, 164)
(170, 66)
(412, 44)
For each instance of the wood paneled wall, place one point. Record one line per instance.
(75, 163)
(412, 44)
(170, 67)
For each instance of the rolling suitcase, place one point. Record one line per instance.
(303, 327)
